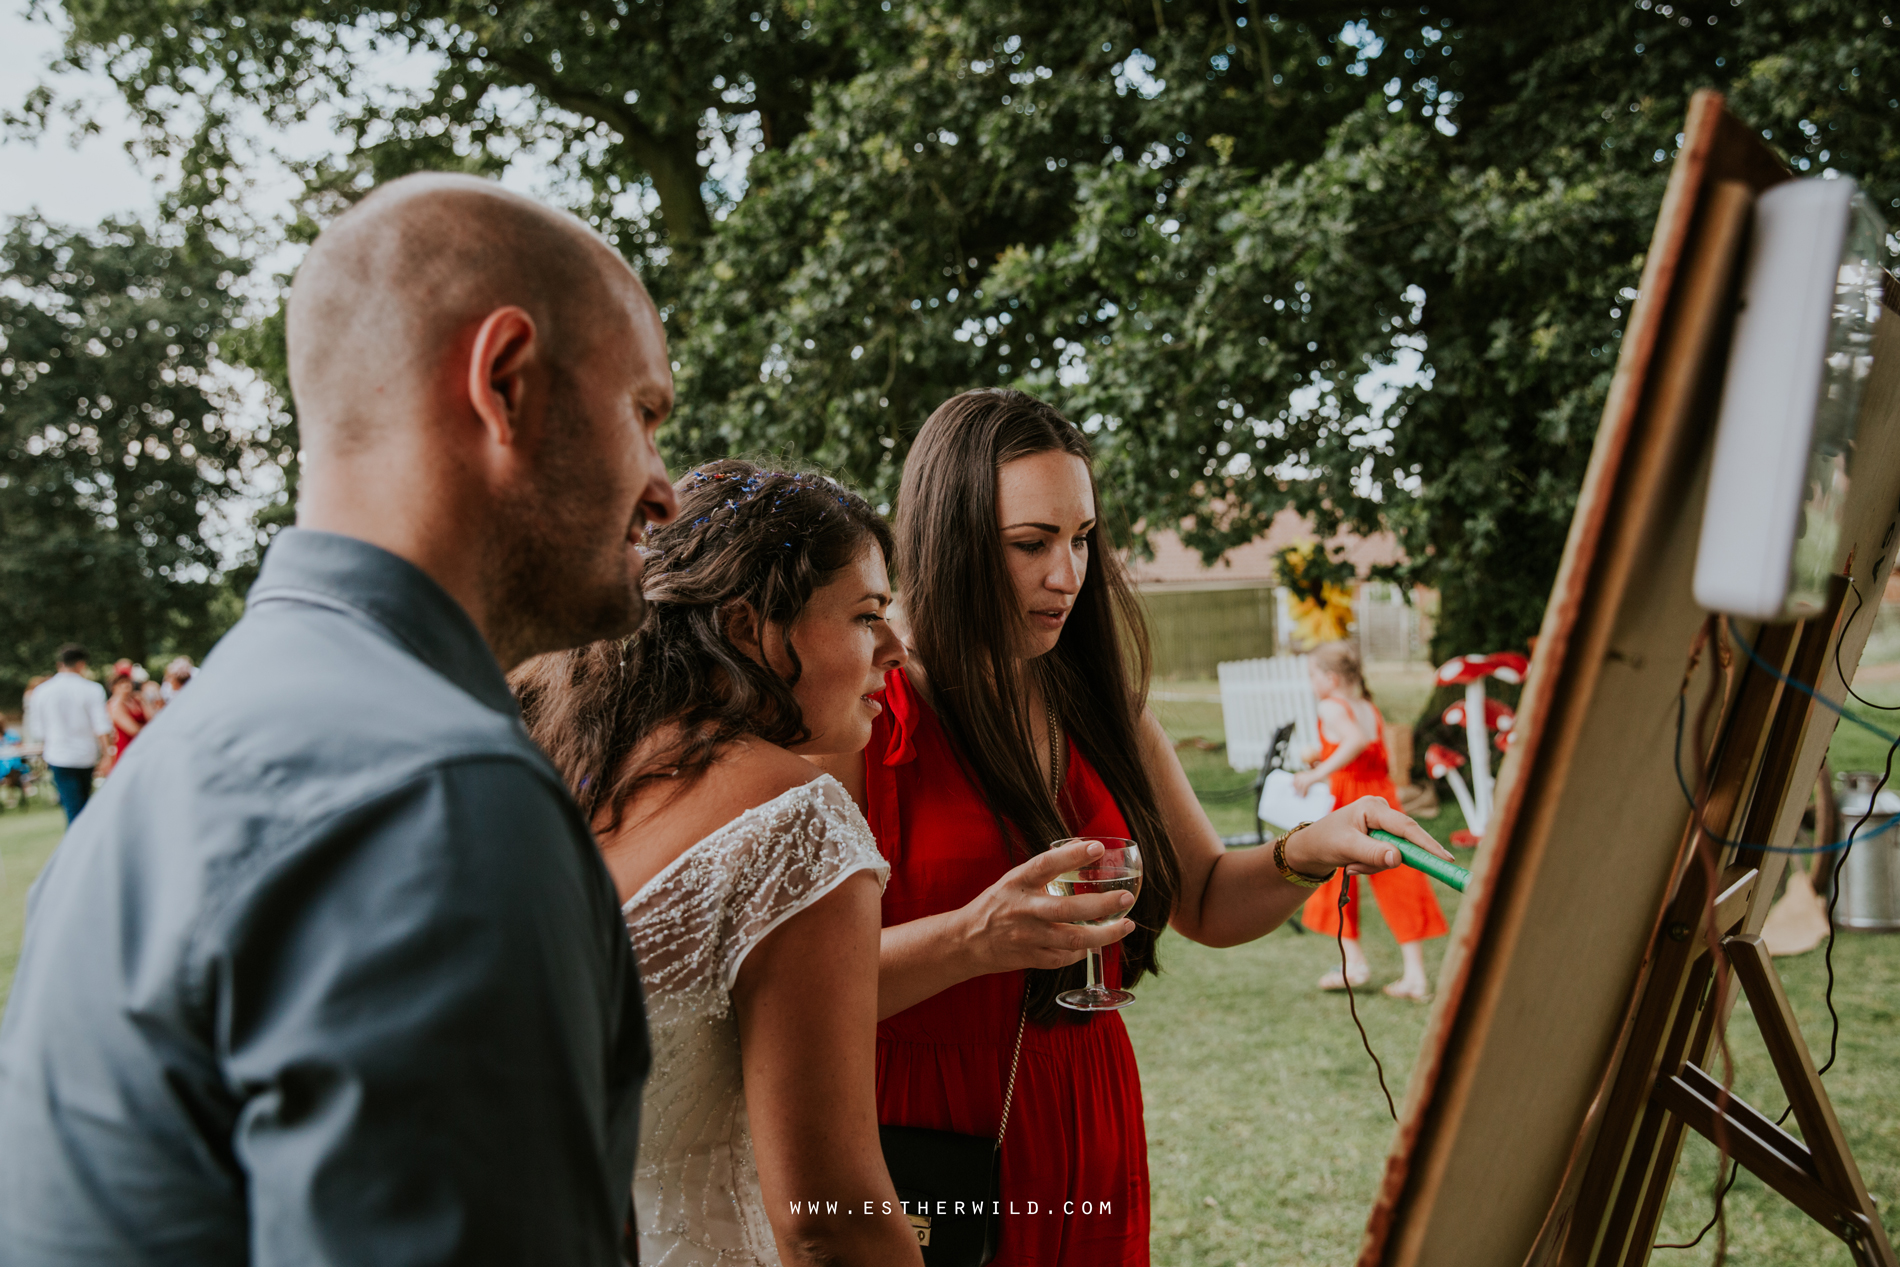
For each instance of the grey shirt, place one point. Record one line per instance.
(330, 971)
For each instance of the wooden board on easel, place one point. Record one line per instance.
(1559, 941)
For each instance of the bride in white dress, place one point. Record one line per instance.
(751, 882)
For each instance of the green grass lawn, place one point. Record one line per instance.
(1266, 1129)
(27, 838)
(1854, 747)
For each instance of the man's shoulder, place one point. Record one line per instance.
(309, 735)
(68, 682)
(308, 680)
(305, 722)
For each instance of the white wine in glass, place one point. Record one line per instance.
(1118, 870)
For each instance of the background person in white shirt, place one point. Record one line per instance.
(69, 715)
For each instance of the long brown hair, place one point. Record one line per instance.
(966, 624)
(744, 534)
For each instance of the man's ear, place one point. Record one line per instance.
(505, 346)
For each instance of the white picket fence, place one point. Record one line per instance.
(1257, 697)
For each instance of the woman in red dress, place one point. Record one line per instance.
(1021, 720)
(1352, 759)
(127, 711)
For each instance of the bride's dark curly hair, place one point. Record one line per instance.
(744, 535)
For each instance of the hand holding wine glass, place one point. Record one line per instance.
(1117, 870)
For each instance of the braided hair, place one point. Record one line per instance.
(745, 535)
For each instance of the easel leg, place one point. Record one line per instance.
(1815, 1173)
(1833, 1163)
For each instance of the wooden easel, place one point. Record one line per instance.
(1821, 1179)
(1662, 1086)
(1596, 873)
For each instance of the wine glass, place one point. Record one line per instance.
(1118, 870)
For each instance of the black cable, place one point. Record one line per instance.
(1345, 978)
(1708, 857)
(1834, 894)
(1833, 900)
(1846, 847)
(1859, 602)
(1735, 1172)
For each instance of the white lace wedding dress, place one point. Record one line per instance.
(696, 1188)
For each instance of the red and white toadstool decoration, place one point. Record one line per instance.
(1498, 718)
(1442, 763)
(1480, 715)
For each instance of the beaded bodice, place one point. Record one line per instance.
(696, 1187)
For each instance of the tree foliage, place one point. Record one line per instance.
(117, 462)
(1372, 263)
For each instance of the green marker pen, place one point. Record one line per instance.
(1418, 858)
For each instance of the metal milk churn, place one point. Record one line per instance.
(1868, 878)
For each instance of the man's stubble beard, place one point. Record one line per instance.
(561, 576)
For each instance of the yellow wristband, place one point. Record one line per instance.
(1288, 873)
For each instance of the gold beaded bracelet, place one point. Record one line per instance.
(1288, 873)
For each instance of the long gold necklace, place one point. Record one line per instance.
(1055, 753)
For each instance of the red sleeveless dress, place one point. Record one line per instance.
(1075, 1156)
(1405, 897)
(122, 737)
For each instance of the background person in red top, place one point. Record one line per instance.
(1021, 720)
(126, 709)
(1352, 759)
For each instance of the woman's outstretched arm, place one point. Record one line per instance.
(1230, 897)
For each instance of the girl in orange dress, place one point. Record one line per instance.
(1352, 759)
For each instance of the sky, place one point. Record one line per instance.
(84, 183)
(75, 185)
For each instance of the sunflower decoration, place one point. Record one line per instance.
(1320, 588)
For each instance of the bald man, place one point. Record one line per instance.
(331, 972)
